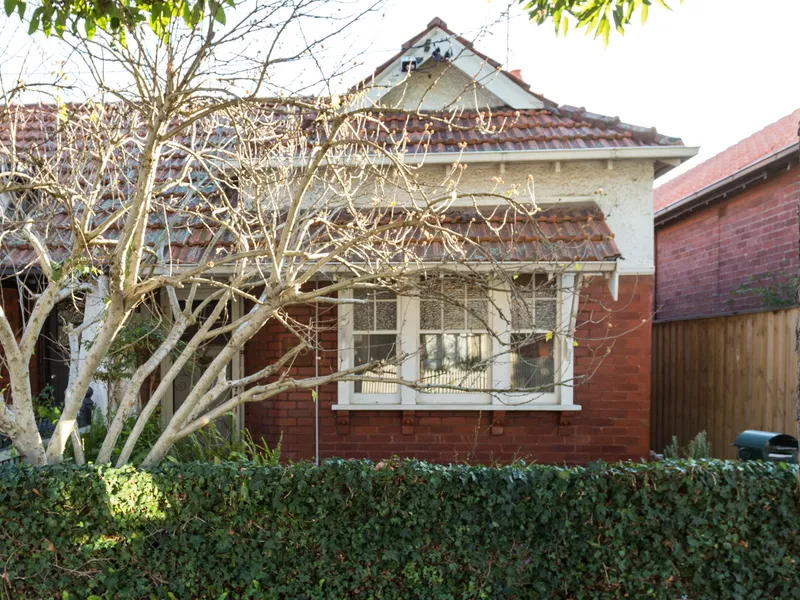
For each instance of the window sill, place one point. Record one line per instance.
(462, 407)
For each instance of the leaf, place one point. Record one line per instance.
(35, 19)
(219, 15)
(90, 25)
(645, 12)
(548, 336)
(10, 5)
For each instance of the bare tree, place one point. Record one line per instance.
(198, 184)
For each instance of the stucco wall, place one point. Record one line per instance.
(436, 85)
(624, 192)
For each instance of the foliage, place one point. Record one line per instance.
(207, 444)
(697, 449)
(354, 529)
(115, 17)
(775, 290)
(593, 15)
(134, 344)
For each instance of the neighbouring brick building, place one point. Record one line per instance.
(727, 230)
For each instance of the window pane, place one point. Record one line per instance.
(521, 313)
(477, 314)
(457, 359)
(545, 286)
(374, 347)
(377, 310)
(363, 317)
(430, 314)
(545, 314)
(454, 314)
(532, 363)
(386, 315)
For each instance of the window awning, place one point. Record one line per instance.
(568, 232)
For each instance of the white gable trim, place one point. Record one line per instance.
(464, 59)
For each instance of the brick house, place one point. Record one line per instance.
(726, 231)
(594, 184)
(577, 158)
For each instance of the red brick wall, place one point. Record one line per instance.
(613, 353)
(703, 258)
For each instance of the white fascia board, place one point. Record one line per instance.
(474, 67)
(511, 156)
(641, 152)
(494, 80)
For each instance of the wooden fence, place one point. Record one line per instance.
(724, 375)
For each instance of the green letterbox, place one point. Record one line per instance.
(766, 445)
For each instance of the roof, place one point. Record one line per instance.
(557, 232)
(758, 147)
(437, 23)
(564, 232)
(564, 128)
(551, 127)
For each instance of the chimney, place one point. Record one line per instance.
(516, 74)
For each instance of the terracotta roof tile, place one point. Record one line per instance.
(508, 129)
(760, 145)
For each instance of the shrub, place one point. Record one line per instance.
(696, 449)
(401, 530)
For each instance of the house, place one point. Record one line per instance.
(726, 236)
(584, 264)
(727, 230)
(588, 169)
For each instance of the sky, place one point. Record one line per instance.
(710, 71)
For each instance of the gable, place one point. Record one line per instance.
(438, 44)
(439, 85)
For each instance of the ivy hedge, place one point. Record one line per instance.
(401, 530)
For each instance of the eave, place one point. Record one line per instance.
(753, 174)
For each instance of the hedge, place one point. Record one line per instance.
(401, 530)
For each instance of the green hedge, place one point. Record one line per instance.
(401, 530)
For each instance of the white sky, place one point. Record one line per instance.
(711, 71)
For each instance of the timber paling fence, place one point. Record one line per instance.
(723, 375)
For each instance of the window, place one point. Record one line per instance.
(375, 338)
(464, 339)
(453, 340)
(534, 312)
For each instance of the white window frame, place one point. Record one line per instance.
(346, 348)
(561, 399)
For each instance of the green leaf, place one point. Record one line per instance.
(91, 27)
(10, 5)
(37, 15)
(219, 15)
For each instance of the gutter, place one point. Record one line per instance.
(651, 152)
(668, 153)
(752, 173)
